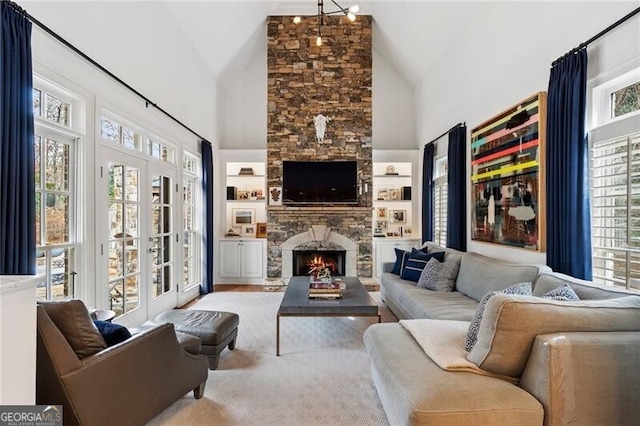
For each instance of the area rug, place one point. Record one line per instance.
(322, 376)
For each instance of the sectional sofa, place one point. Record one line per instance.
(536, 361)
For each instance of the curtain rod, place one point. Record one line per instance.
(444, 133)
(597, 36)
(84, 56)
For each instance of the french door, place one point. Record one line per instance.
(138, 237)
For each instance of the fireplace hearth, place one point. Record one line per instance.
(305, 260)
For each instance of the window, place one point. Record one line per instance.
(191, 238)
(161, 151)
(55, 207)
(113, 131)
(626, 100)
(615, 99)
(615, 198)
(58, 119)
(440, 201)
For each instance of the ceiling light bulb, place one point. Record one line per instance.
(297, 20)
(319, 41)
(351, 16)
(354, 9)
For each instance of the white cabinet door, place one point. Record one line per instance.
(385, 251)
(230, 259)
(252, 260)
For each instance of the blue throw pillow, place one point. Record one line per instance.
(401, 258)
(112, 333)
(416, 262)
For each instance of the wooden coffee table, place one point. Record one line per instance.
(355, 302)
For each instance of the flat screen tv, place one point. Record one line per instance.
(319, 182)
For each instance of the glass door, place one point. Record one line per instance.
(124, 175)
(163, 240)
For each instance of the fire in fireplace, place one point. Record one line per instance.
(305, 260)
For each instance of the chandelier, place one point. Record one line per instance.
(350, 13)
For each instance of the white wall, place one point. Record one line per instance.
(138, 42)
(243, 101)
(503, 56)
(393, 107)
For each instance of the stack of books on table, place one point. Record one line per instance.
(325, 290)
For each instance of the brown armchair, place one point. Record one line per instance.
(125, 384)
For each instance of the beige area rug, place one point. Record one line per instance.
(322, 376)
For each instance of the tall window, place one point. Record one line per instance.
(191, 239)
(615, 181)
(440, 201)
(55, 184)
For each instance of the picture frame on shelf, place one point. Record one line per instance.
(241, 217)
(382, 224)
(394, 194)
(383, 194)
(256, 194)
(381, 213)
(398, 216)
(248, 231)
(232, 232)
(243, 195)
(408, 231)
(261, 230)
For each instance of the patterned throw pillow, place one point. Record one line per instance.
(562, 293)
(472, 335)
(416, 263)
(439, 276)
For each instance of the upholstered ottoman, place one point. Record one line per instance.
(216, 330)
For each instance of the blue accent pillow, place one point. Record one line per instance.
(416, 262)
(401, 258)
(112, 333)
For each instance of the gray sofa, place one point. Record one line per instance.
(578, 377)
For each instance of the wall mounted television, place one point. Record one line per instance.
(319, 182)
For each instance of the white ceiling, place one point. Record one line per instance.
(411, 36)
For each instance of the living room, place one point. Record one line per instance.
(433, 64)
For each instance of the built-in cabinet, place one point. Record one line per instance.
(395, 207)
(241, 255)
(241, 260)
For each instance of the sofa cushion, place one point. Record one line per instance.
(112, 333)
(401, 258)
(511, 323)
(480, 274)
(73, 320)
(416, 262)
(564, 292)
(472, 334)
(584, 289)
(439, 276)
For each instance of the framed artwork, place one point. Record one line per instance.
(243, 195)
(382, 194)
(398, 216)
(382, 224)
(242, 217)
(256, 194)
(507, 181)
(275, 195)
(248, 230)
(261, 230)
(381, 212)
(394, 194)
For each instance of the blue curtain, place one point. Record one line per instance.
(427, 193)
(568, 216)
(457, 189)
(207, 188)
(17, 182)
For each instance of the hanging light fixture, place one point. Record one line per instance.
(350, 13)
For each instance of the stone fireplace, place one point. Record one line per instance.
(333, 80)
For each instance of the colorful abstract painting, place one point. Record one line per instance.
(507, 195)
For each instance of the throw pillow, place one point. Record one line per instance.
(401, 258)
(112, 333)
(416, 262)
(439, 276)
(73, 320)
(564, 292)
(512, 323)
(472, 335)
